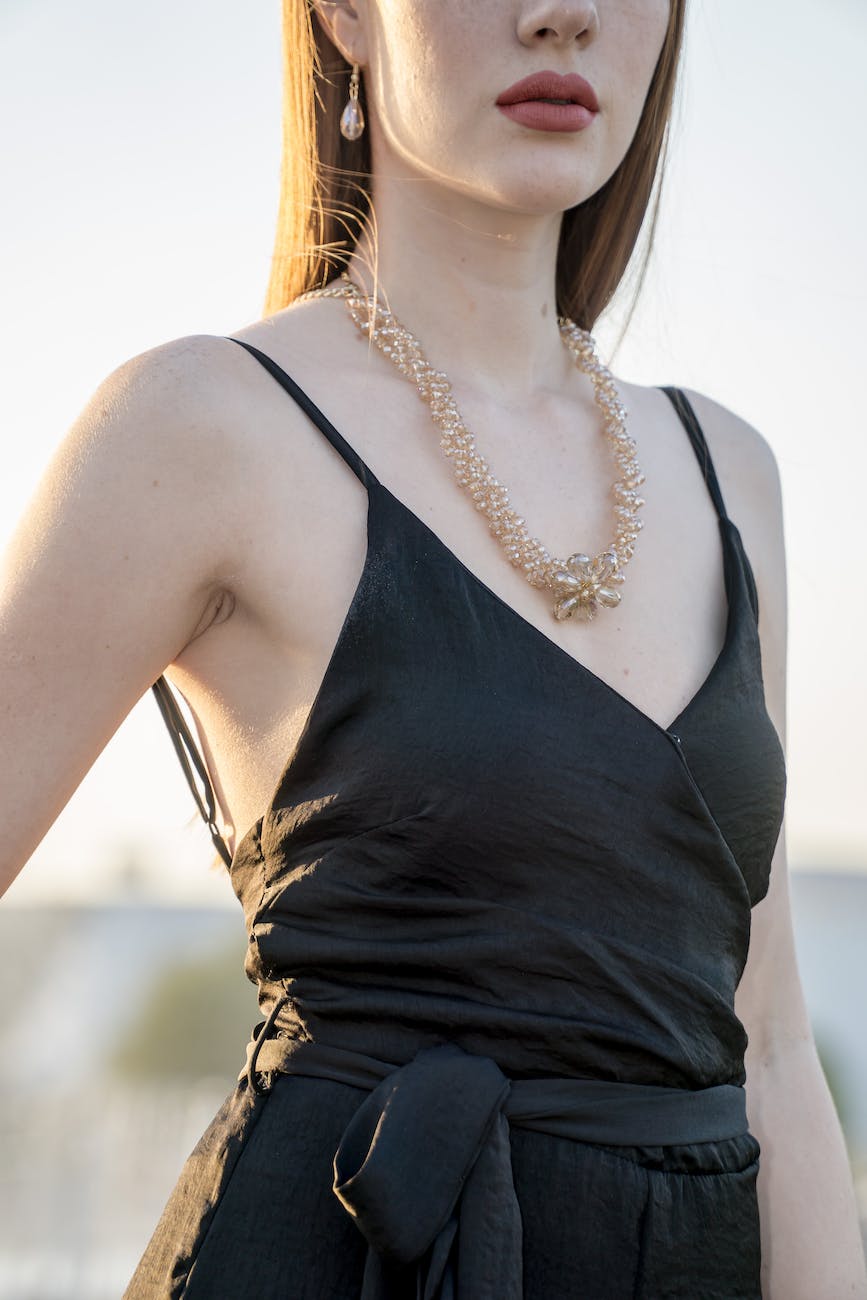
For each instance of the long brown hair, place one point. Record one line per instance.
(325, 195)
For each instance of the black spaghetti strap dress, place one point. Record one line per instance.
(497, 916)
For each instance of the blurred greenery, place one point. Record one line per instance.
(195, 1021)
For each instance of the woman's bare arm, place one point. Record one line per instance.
(118, 561)
(811, 1245)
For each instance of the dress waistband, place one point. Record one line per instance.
(424, 1165)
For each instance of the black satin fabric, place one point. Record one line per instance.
(477, 841)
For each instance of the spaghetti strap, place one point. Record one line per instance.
(312, 411)
(689, 420)
(184, 744)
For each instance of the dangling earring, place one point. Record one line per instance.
(352, 118)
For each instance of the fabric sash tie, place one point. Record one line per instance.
(424, 1165)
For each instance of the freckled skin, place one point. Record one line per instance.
(469, 203)
(433, 69)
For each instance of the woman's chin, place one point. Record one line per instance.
(542, 199)
(537, 188)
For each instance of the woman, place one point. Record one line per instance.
(515, 885)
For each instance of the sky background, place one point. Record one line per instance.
(139, 151)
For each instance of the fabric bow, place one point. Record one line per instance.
(424, 1168)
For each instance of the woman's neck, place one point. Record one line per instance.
(474, 284)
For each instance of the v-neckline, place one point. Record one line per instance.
(563, 656)
(724, 524)
(368, 479)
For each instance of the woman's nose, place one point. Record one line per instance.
(558, 24)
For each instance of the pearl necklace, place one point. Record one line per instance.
(581, 585)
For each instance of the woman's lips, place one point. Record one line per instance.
(540, 116)
(528, 102)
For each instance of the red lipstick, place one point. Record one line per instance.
(528, 102)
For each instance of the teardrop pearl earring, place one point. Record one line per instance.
(352, 118)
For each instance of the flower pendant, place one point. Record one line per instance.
(580, 585)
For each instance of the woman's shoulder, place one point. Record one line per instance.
(183, 380)
(198, 403)
(740, 452)
(742, 455)
(743, 458)
(172, 436)
(749, 477)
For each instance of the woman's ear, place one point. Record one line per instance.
(343, 24)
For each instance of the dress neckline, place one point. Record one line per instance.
(370, 482)
(522, 624)
(725, 525)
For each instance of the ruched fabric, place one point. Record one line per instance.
(497, 916)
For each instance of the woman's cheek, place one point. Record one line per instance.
(641, 40)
